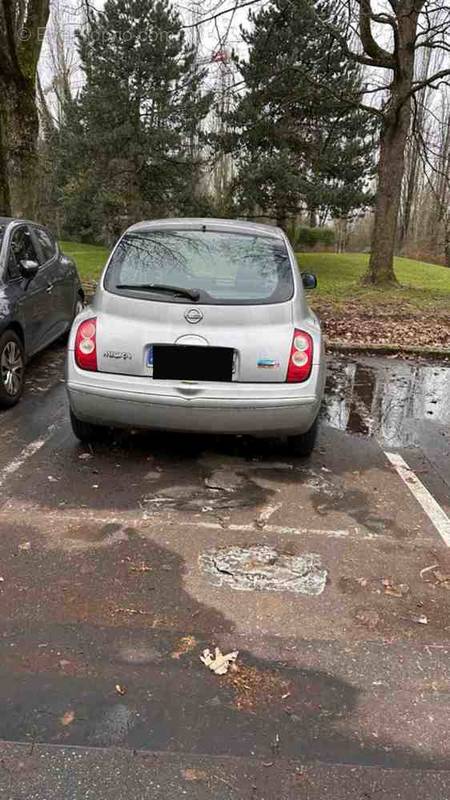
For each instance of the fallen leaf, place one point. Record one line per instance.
(185, 645)
(218, 663)
(395, 590)
(428, 569)
(131, 611)
(441, 579)
(120, 689)
(67, 718)
(191, 774)
(143, 567)
(422, 619)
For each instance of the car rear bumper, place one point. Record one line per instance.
(135, 402)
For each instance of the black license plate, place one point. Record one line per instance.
(192, 363)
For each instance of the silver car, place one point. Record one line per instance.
(199, 325)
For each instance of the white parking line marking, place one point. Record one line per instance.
(353, 533)
(28, 451)
(431, 507)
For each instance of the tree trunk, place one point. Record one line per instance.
(5, 209)
(447, 242)
(393, 141)
(20, 131)
(410, 192)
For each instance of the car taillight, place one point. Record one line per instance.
(300, 359)
(85, 345)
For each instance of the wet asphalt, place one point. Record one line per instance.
(121, 563)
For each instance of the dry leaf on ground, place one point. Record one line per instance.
(393, 589)
(185, 645)
(191, 774)
(218, 663)
(67, 718)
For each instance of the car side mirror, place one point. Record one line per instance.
(309, 280)
(28, 268)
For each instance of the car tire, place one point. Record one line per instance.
(12, 369)
(303, 444)
(85, 431)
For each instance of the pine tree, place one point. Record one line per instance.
(301, 140)
(129, 146)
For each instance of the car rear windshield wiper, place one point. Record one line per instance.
(192, 294)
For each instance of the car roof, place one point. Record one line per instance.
(8, 220)
(207, 223)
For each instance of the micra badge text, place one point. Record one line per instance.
(118, 354)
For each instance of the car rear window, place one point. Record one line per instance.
(217, 267)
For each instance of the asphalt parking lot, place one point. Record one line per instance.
(121, 563)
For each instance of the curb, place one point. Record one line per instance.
(388, 349)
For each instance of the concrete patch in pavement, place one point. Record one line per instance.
(262, 568)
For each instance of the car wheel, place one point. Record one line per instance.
(12, 369)
(304, 444)
(85, 431)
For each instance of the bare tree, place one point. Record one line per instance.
(59, 65)
(413, 163)
(389, 40)
(439, 161)
(22, 28)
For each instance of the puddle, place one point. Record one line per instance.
(222, 490)
(390, 402)
(112, 727)
(262, 568)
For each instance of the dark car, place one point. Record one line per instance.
(40, 294)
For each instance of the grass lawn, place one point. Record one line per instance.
(89, 258)
(421, 285)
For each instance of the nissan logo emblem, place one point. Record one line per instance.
(193, 316)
